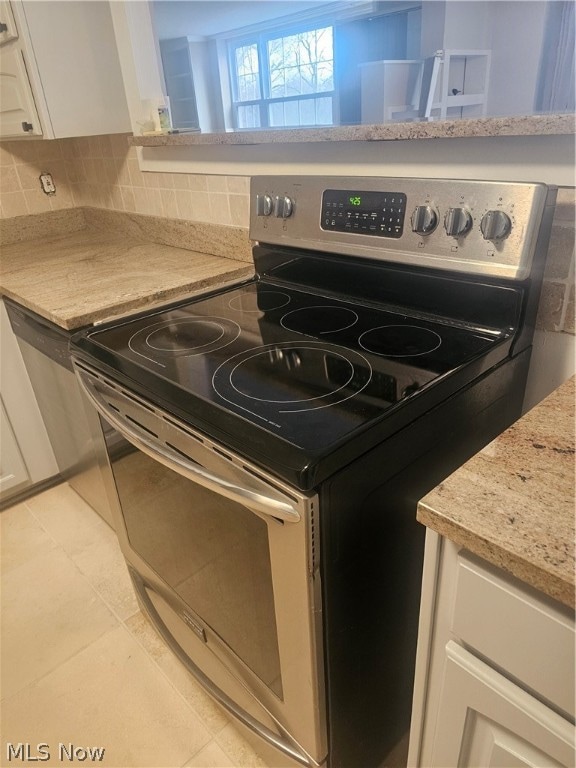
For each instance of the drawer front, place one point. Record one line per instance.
(529, 637)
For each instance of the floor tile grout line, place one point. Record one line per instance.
(166, 676)
(185, 763)
(71, 558)
(181, 696)
(87, 581)
(120, 621)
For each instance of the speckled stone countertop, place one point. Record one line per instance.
(524, 125)
(513, 503)
(82, 269)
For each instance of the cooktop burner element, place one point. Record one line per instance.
(259, 301)
(314, 321)
(185, 336)
(306, 370)
(400, 341)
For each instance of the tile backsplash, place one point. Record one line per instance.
(556, 310)
(103, 172)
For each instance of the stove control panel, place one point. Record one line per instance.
(477, 227)
(370, 213)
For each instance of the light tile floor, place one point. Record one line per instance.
(80, 665)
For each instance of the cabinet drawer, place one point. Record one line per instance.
(517, 629)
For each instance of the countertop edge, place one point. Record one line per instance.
(512, 503)
(92, 243)
(121, 309)
(522, 569)
(523, 125)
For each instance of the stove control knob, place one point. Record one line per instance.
(263, 205)
(283, 207)
(457, 222)
(495, 225)
(424, 220)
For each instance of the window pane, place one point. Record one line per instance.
(249, 117)
(291, 113)
(324, 114)
(301, 112)
(307, 112)
(246, 72)
(301, 63)
(276, 115)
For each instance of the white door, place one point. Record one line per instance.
(486, 721)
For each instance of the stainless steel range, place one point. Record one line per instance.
(279, 433)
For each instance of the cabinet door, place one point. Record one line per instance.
(13, 472)
(485, 720)
(24, 417)
(73, 66)
(8, 29)
(18, 116)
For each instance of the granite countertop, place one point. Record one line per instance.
(79, 270)
(523, 125)
(513, 503)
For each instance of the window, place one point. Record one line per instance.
(283, 80)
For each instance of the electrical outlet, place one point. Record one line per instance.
(47, 183)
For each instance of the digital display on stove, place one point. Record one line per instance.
(365, 213)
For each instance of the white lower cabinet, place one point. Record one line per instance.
(26, 456)
(486, 720)
(13, 470)
(495, 670)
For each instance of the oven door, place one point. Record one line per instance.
(222, 558)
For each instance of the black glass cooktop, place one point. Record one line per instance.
(308, 368)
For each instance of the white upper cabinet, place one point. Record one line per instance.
(59, 70)
(8, 29)
(18, 115)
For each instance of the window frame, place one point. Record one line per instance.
(261, 40)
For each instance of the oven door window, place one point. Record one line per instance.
(212, 551)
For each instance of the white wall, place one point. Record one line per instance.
(517, 37)
(414, 35)
(552, 363)
(467, 23)
(179, 18)
(433, 20)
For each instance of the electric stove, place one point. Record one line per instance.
(280, 432)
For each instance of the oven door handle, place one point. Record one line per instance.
(177, 462)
